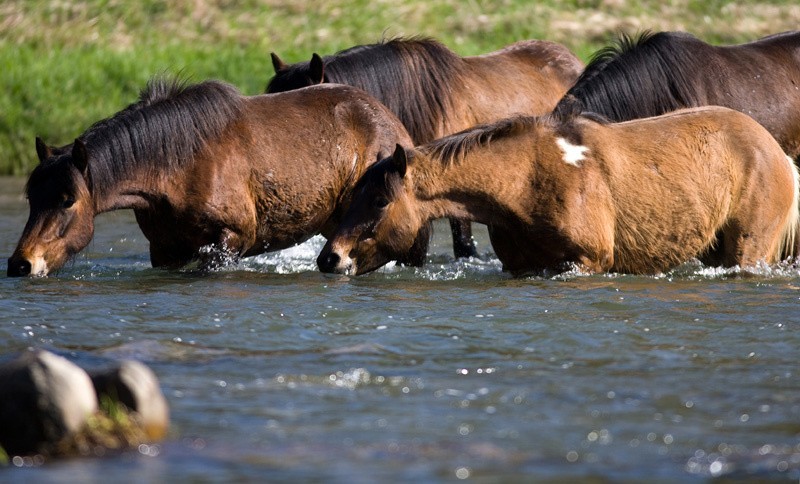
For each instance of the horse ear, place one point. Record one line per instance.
(277, 63)
(42, 150)
(400, 160)
(80, 157)
(317, 68)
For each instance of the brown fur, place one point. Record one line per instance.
(541, 71)
(436, 92)
(646, 196)
(277, 172)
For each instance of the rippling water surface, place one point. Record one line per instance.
(453, 371)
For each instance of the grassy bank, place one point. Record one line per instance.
(66, 64)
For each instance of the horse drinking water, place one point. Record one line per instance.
(637, 197)
(203, 166)
(436, 92)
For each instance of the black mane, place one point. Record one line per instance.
(411, 76)
(453, 148)
(637, 77)
(163, 130)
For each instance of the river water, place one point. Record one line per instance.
(275, 372)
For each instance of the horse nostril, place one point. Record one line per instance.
(328, 262)
(18, 268)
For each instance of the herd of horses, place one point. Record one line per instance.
(662, 149)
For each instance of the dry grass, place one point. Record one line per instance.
(120, 24)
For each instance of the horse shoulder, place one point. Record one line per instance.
(378, 129)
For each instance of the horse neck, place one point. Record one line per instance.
(464, 188)
(131, 190)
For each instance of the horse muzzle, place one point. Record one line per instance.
(332, 263)
(22, 267)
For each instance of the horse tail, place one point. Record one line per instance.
(789, 240)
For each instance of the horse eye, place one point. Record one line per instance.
(381, 202)
(68, 203)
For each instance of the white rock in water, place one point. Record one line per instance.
(44, 397)
(136, 386)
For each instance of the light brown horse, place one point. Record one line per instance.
(203, 166)
(436, 92)
(636, 197)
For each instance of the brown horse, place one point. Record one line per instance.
(655, 73)
(203, 166)
(436, 92)
(637, 197)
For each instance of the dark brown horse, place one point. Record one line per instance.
(653, 74)
(436, 92)
(203, 166)
(639, 197)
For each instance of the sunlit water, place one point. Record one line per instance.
(454, 371)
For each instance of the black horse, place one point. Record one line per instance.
(654, 73)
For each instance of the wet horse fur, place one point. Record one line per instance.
(636, 197)
(436, 92)
(204, 167)
(655, 73)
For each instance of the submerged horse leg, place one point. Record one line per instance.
(745, 247)
(227, 251)
(511, 250)
(463, 243)
(520, 254)
(175, 255)
(756, 234)
(163, 256)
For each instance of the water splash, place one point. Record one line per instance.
(695, 270)
(300, 258)
(449, 269)
(439, 266)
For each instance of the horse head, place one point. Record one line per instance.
(381, 223)
(290, 77)
(61, 220)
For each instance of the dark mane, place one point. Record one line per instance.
(164, 129)
(395, 71)
(453, 148)
(637, 77)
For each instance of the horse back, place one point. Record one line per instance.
(712, 138)
(527, 77)
(541, 55)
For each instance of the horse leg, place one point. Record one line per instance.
(746, 245)
(518, 251)
(164, 256)
(510, 249)
(226, 251)
(759, 227)
(519, 254)
(463, 243)
(415, 257)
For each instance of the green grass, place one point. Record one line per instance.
(67, 64)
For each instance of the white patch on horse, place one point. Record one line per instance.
(39, 267)
(573, 154)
